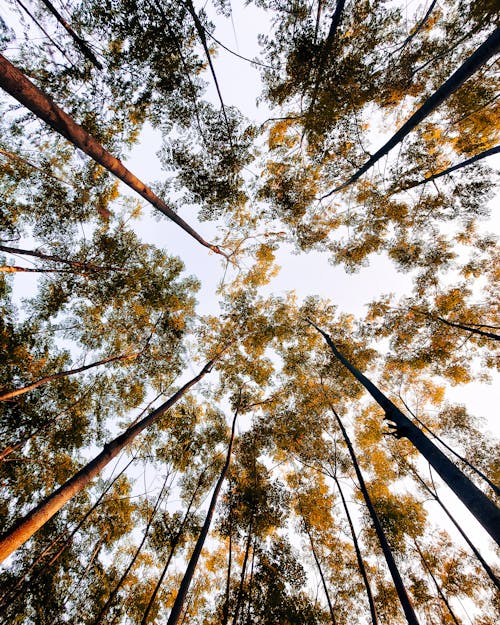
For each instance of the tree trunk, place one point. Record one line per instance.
(441, 594)
(58, 259)
(173, 547)
(176, 612)
(24, 91)
(474, 499)
(472, 547)
(16, 157)
(239, 599)
(63, 374)
(318, 565)
(410, 615)
(361, 564)
(225, 607)
(475, 61)
(445, 172)
(417, 28)
(81, 43)
(46, 509)
(119, 584)
(325, 51)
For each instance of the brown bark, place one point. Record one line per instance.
(63, 374)
(26, 527)
(180, 599)
(58, 259)
(81, 43)
(471, 65)
(485, 511)
(24, 91)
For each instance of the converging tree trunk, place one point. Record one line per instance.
(46, 509)
(177, 608)
(475, 61)
(58, 259)
(24, 91)
(408, 610)
(81, 43)
(474, 499)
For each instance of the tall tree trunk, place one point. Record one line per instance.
(173, 547)
(64, 374)
(475, 61)
(488, 570)
(417, 28)
(410, 615)
(124, 576)
(445, 172)
(320, 570)
(16, 157)
(441, 594)
(325, 51)
(474, 499)
(81, 43)
(24, 91)
(46, 509)
(359, 558)
(239, 599)
(176, 612)
(484, 477)
(19, 587)
(225, 607)
(58, 259)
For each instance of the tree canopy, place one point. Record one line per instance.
(184, 441)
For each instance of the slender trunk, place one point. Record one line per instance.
(475, 61)
(417, 28)
(318, 564)
(11, 595)
(445, 172)
(45, 510)
(15, 269)
(361, 564)
(493, 486)
(63, 374)
(462, 326)
(24, 91)
(389, 558)
(485, 511)
(58, 259)
(225, 608)
(81, 43)
(472, 547)
(124, 576)
(239, 599)
(441, 594)
(325, 51)
(176, 612)
(173, 547)
(250, 585)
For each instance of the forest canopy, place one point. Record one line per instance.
(184, 442)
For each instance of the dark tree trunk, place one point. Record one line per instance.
(475, 61)
(81, 43)
(326, 50)
(173, 547)
(124, 576)
(474, 499)
(46, 509)
(176, 612)
(441, 594)
(239, 599)
(410, 615)
(359, 558)
(320, 570)
(24, 91)
(445, 172)
(417, 28)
